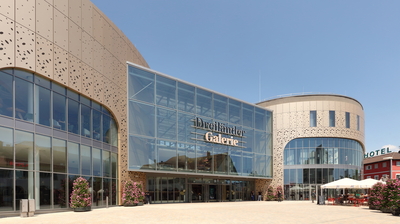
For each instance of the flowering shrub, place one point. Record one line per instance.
(80, 196)
(132, 193)
(270, 194)
(376, 197)
(392, 193)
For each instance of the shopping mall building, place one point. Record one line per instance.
(78, 99)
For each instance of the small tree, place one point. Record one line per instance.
(80, 196)
(393, 194)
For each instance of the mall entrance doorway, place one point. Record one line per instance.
(211, 193)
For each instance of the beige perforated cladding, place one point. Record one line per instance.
(291, 119)
(73, 43)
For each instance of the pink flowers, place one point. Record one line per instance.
(80, 196)
(132, 193)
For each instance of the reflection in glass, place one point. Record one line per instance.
(42, 153)
(97, 192)
(6, 190)
(141, 119)
(235, 108)
(97, 125)
(204, 159)
(86, 160)
(166, 155)
(166, 92)
(86, 120)
(23, 150)
(23, 100)
(43, 191)
(59, 155)
(73, 116)
(23, 187)
(59, 111)
(186, 157)
(106, 163)
(166, 124)
(220, 107)
(106, 129)
(186, 98)
(96, 162)
(6, 148)
(73, 158)
(144, 155)
(141, 85)
(204, 103)
(59, 191)
(114, 165)
(42, 108)
(6, 94)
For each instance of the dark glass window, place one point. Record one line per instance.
(59, 155)
(43, 110)
(313, 118)
(86, 120)
(73, 116)
(331, 118)
(23, 150)
(43, 153)
(23, 100)
(347, 120)
(6, 148)
(6, 94)
(97, 115)
(7, 190)
(73, 158)
(59, 111)
(106, 129)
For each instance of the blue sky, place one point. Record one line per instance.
(347, 47)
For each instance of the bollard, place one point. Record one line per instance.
(23, 208)
(107, 202)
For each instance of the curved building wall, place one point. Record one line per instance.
(292, 119)
(74, 44)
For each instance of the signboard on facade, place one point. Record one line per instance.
(377, 152)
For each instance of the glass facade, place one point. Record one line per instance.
(49, 136)
(311, 162)
(177, 127)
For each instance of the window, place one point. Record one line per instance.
(376, 166)
(398, 163)
(368, 177)
(398, 176)
(313, 118)
(358, 122)
(384, 164)
(347, 120)
(331, 118)
(369, 167)
(376, 177)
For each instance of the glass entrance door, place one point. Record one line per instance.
(197, 193)
(212, 193)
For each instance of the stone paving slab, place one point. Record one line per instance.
(227, 212)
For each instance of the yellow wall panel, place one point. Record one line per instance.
(98, 52)
(7, 8)
(75, 11)
(7, 47)
(44, 57)
(60, 29)
(25, 13)
(98, 86)
(44, 19)
(24, 47)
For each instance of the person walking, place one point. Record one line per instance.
(259, 195)
(252, 195)
(279, 196)
(313, 196)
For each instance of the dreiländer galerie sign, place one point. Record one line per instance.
(219, 128)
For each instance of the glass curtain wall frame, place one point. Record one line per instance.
(161, 127)
(311, 162)
(32, 98)
(35, 165)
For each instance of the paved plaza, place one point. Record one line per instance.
(227, 212)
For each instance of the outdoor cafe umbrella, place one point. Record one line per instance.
(368, 183)
(342, 183)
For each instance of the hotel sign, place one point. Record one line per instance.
(220, 129)
(377, 152)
